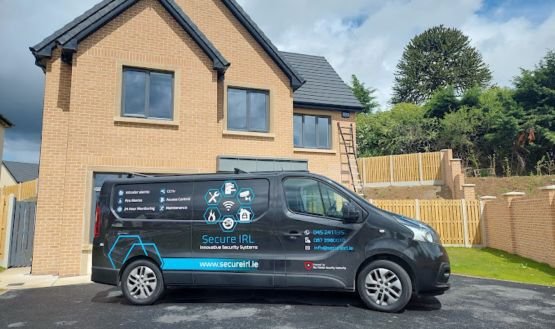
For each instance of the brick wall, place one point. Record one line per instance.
(83, 133)
(523, 226)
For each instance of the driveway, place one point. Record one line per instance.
(471, 303)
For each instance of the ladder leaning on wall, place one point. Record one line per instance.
(349, 165)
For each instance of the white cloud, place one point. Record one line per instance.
(373, 50)
(21, 150)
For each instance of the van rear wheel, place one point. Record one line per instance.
(142, 282)
(384, 286)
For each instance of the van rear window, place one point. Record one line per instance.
(153, 201)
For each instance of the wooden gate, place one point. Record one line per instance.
(23, 231)
(458, 222)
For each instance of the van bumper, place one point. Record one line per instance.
(432, 270)
(105, 275)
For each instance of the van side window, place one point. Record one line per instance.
(166, 201)
(308, 196)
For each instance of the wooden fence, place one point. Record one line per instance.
(405, 169)
(458, 222)
(23, 191)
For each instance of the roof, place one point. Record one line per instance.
(4, 122)
(22, 172)
(69, 36)
(324, 88)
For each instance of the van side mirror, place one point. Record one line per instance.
(351, 213)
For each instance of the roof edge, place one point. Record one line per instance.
(296, 79)
(327, 107)
(69, 46)
(5, 122)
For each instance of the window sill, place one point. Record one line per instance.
(171, 123)
(307, 150)
(248, 134)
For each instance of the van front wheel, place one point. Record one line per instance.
(384, 286)
(142, 282)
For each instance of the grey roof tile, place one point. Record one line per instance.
(22, 172)
(323, 88)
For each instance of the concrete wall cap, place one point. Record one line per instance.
(488, 197)
(456, 159)
(514, 194)
(469, 185)
(548, 188)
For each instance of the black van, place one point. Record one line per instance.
(291, 230)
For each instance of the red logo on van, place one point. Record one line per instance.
(308, 266)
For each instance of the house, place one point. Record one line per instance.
(13, 172)
(172, 87)
(4, 124)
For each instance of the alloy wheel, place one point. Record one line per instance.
(383, 286)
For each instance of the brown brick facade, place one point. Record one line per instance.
(523, 226)
(83, 133)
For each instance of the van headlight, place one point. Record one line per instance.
(422, 234)
(420, 231)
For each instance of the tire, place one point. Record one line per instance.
(384, 286)
(142, 282)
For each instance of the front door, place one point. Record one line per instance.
(233, 239)
(321, 250)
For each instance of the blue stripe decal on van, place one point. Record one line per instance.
(209, 264)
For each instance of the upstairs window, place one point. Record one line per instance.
(248, 110)
(147, 94)
(311, 131)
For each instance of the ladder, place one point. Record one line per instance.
(349, 165)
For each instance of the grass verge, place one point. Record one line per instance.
(2, 269)
(497, 264)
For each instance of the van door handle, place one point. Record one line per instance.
(293, 234)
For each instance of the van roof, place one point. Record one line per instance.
(140, 178)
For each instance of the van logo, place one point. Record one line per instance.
(308, 266)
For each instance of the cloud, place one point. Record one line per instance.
(363, 37)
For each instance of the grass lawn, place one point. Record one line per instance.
(496, 264)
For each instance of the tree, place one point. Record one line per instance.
(403, 129)
(535, 93)
(437, 58)
(364, 95)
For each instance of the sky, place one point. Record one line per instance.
(362, 37)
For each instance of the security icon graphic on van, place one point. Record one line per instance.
(212, 197)
(229, 188)
(245, 196)
(227, 199)
(228, 224)
(245, 215)
(212, 215)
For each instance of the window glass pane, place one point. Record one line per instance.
(333, 202)
(303, 196)
(134, 98)
(161, 98)
(297, 130)
(309, 131)
(236, 109)
(258, 111)
(323, 132)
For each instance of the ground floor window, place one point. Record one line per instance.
(230, 163)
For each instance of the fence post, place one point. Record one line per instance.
(363, 161)
(420, 169)
(9, 223)
(391, 178)
(465, 223)
(417, 208)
